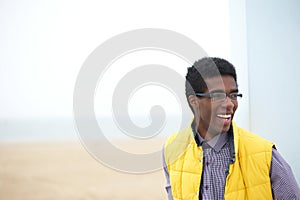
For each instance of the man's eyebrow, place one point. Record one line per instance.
(217, 91)
(221, 91)
(234, 90)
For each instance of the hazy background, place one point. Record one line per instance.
(44, 44)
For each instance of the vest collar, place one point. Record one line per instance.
(232, 140)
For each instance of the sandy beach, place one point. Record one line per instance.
(65, 170)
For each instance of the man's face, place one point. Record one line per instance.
(215, 117)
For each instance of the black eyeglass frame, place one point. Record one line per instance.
(232, 96)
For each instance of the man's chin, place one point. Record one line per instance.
(220, 129)
(225, 128)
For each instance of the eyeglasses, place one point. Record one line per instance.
(220, 96)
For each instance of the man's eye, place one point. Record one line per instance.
(233, 95)
(218, 96)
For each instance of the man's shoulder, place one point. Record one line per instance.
(249, 139)
(248, 135)
(180, 136)
(177, 144)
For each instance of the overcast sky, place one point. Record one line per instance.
(44, 44)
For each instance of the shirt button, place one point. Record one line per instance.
(206, 187)
(200, 160)
(207, 163)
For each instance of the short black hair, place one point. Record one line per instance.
(206, 67)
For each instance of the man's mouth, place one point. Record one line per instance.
(224, 116)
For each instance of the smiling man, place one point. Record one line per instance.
(216, 159)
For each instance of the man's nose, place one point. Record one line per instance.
(228, 103)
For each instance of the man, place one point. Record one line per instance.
(214, 158)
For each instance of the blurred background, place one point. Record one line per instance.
(44, 44)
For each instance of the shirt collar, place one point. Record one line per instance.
(216, 142)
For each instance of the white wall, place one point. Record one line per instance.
(238, 57)
(272, 36)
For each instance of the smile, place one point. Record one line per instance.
(224, 116)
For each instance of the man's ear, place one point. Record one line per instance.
(193, 101)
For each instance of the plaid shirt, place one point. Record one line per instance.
(219, 154)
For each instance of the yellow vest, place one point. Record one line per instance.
(248, 176)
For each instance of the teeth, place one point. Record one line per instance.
(224, 116)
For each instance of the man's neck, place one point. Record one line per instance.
(204, 133)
